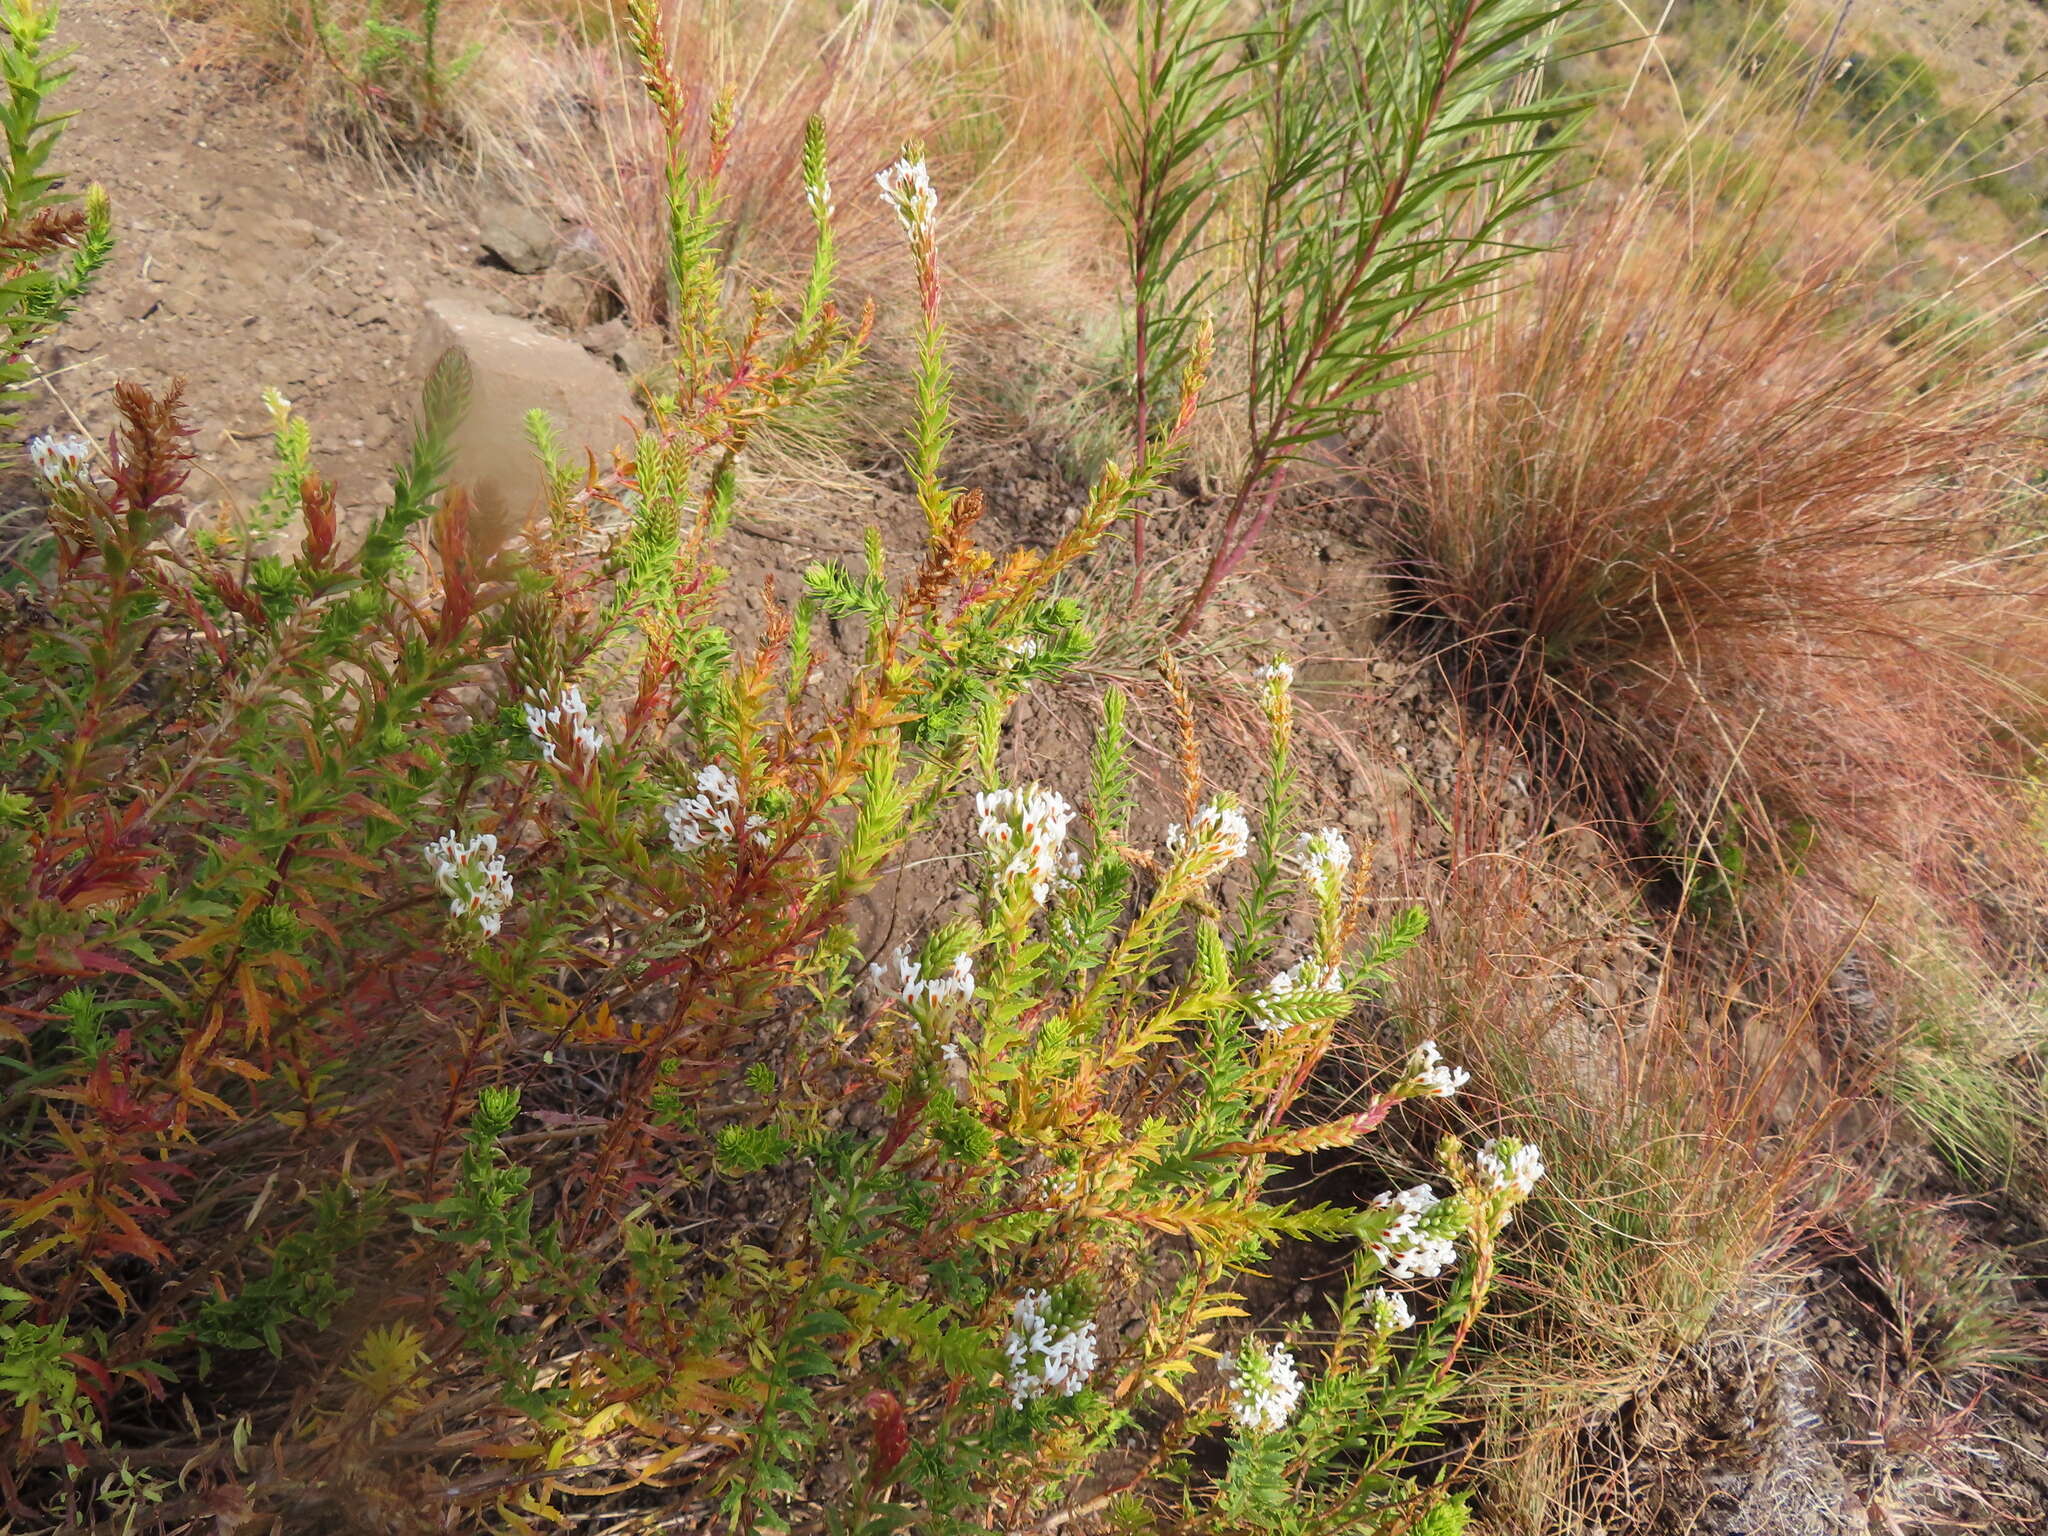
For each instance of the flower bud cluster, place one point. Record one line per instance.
(1308, 977)
(472, 876)
(564, 722)
(1025, 830)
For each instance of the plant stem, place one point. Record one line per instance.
(1230, 549)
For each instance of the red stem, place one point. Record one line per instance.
(1230, 547)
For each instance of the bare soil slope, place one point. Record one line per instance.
(246, 260)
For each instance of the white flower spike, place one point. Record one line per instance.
(472, 876)
(1047, 1359)
(1025, 830)
(1429, 1077)
(1509, 1167)
(1422, 1242)
(954, 984)
(1276, 684)
(567, 720)
(1387, 1311)
(1264, 1386)
(59, 459)
(712, 815)
(1219, 836)
(1325, 856)
(907, 188)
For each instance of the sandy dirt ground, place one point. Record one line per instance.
(247, 259)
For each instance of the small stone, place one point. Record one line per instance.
(635, 356)
(619, 345)
(605, 339)
(516, 236)
(578, 290)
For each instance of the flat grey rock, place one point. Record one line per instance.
(522, 239)
(516, 367)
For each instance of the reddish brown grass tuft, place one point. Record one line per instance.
(1723, 540)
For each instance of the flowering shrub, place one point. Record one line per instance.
(419, 976)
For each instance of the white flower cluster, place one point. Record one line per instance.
(712, 815)
(472, 876)
(1508, 1166)
(907, 188)
(1308, 976)
(1264, 1386)
(1046, 1360)
(1325, 856)
(1220, 834)
(1024, 647)
(568, 710)
(59, 459)
(913, 986)
(1025, 829)
(1429, 1077)
(1275, 679)
(820, 199)
(1387, 1311)
(1423, 1241)
(1060, 1183)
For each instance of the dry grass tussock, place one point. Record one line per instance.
(1025, 253)
(972, 88)
(1680, 1110)
(1738, 551)
(1011, 101)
